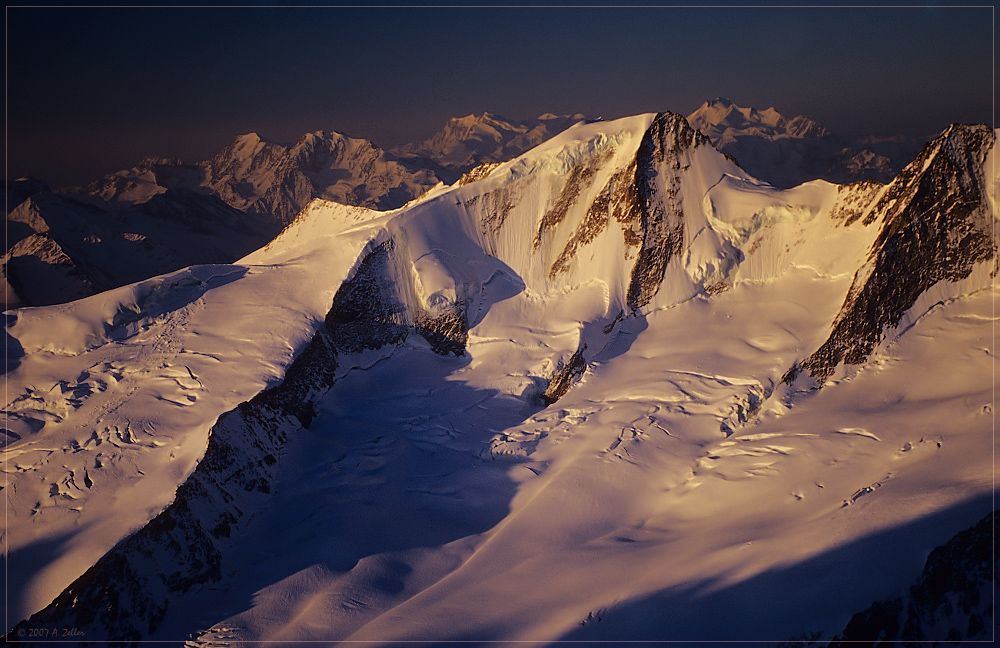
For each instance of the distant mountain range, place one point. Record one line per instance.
(466, 142)
(165, 214)
(789, 151)
(276, 181)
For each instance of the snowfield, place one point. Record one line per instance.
(581, 398)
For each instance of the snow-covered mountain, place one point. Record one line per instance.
(271, 183)
(276, 181)
(467, 142)
(789, 151)
(615, 388)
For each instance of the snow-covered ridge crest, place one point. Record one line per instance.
(612, 205)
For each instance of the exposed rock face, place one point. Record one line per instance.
(447, 333)
(477, 173)
(580, 178)
(565, 376)
(125, 595)
(854, 200)
(659, 223)
(952, 601)
(644, 199)
(366, 312)
(936, 226)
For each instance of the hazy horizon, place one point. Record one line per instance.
(92, 91)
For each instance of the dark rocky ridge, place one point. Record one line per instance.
(936, 226)
(661, 222)
(126, 594)
(478, 173)
(579, 179)
(952, 601)
(651, 221)
(565, 376)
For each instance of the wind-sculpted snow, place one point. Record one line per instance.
(543, 404)
(112, 397)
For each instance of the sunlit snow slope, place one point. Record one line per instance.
(614, 388)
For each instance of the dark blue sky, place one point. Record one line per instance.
(91, 91)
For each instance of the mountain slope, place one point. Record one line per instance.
(952, 601)
(276, 181)
(543, 404)
(267, 178)
(255, 187)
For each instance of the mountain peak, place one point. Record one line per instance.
(720, 102)
(721, 116)
(248, 138)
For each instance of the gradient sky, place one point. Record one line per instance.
(92, 91)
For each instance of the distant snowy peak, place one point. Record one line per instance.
(275, 181)
(719, 117)
(279, 180)
(152, 176)
(21, 189)
(271, 182)
(789, 151)
(466, 142)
